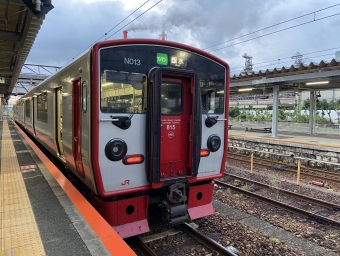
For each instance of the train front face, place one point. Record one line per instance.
(161, 130)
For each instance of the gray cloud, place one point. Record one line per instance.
(71, 27)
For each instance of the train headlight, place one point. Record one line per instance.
(115, 149)
(214, 142)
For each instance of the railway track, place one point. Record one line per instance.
(318, 210)
(307, 171)
(216, 248)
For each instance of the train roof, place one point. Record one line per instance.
(134, 41)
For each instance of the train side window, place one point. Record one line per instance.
(84, 96)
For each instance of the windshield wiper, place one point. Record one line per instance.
(124, 122)
(209, 121)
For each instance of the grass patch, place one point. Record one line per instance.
(237, 195)
(274, 240)
(237, 182)
(245, 187)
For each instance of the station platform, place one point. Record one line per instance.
(41, 213)
(318, 140)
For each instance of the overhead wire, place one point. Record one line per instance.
(271, 26)
(136, 18)
(119, 24)
(277, 31)
(280, 59)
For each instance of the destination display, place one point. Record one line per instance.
(179, 60)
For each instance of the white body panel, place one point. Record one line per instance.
(46, 131)
(211, 165)
(115, 173)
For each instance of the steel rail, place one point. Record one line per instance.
(141, 247)
(206, 241)
(315, 173)
(287, 192)
(275, 203)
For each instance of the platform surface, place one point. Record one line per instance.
(41, 213)
(319, 139)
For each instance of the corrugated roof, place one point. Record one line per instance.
(17, 34)
(290, 70)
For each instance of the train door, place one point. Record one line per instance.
(24, 119)
(76, 126)
(59, 123)
(175, 127)
(175, 114)
(34, 100)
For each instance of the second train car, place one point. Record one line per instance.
(141, 123)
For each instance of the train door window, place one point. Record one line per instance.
(84, 96)
(171, 99)
(28, 108)
(42, 108)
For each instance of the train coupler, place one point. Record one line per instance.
(174, 214)
(174, 207)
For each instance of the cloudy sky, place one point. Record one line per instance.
(225, 28)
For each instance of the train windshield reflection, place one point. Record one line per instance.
(121, 92)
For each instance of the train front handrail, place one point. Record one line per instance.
(109, 120)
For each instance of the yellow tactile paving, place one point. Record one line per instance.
(19, 232)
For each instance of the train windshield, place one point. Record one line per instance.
(124, 69)
(122, 92)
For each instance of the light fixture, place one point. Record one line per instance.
(245, 89)
(133, 159)
(107, 84)
(220, 92)
(214, 142)
(115, 149)
(204, 152)
(320, 82)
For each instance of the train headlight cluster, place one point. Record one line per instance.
(115, 149)
(214, 142)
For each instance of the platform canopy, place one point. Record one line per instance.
(18, 30)
(312, 76)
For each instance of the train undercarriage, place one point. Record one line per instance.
(177, 203)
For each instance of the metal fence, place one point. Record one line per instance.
(290, 126)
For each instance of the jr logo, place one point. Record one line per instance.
(125, 182)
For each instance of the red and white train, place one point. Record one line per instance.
(141, 123)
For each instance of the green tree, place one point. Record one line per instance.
(242, 117)
(234, 111)
(282, 114)
(322, 104)
(337, 110)
(305, 104)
